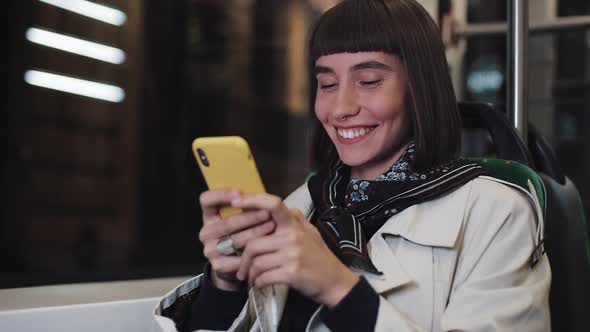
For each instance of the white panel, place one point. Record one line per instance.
(124, 316)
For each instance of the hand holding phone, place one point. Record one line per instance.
(227, 162)
(229, 171)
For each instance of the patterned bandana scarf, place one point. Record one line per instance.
(348, 212)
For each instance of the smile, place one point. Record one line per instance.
(354, 132)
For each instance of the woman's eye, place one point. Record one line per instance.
(371, 82)
(325, 86)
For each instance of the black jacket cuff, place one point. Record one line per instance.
(214, 308)
(357, 311)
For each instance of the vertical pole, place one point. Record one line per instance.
(517, 96)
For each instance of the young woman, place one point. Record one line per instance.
(394, 232)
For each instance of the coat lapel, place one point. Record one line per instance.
(394, 274)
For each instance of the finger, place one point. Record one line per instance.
(209, 250)
(233, 224)
(279, 211)
(212, 200)
(241, 239)
(299, 215)
(244, 220)
(225, 264)
(274, 276)
(260, 246)
(263, 263)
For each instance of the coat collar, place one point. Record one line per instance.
(434, 223)
(300, 199)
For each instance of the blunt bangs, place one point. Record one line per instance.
(354, 26)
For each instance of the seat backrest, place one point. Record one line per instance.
(488, 133)
(569, 253)
(566, 238)
(543, 155)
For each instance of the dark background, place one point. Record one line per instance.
(93, 190)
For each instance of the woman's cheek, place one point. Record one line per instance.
(321, 111)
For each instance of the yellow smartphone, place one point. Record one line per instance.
(227, 162)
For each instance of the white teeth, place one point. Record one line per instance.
(352, 133)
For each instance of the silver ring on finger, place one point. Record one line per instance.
(225, 246)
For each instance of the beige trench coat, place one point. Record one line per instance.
(459, 262)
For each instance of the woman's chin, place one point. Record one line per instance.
(353, 160)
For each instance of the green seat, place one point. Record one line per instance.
(515, 173)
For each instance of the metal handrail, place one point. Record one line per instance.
(498, 28)
(517, 96)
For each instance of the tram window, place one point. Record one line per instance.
(484, 61)
(101, 190)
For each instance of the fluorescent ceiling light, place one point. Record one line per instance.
(92, 10)
(76, 45)
(75, 86)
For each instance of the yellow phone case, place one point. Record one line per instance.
(226, 162)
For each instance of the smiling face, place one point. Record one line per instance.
(360, 103)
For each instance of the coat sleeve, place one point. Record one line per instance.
(174, 312)
(213, 308)
(494, 288)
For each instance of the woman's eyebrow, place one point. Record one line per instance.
(322, 70)
(359, 66)
(371, 65)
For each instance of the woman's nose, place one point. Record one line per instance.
(347, 105)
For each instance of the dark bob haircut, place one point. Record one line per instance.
(403, 28)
